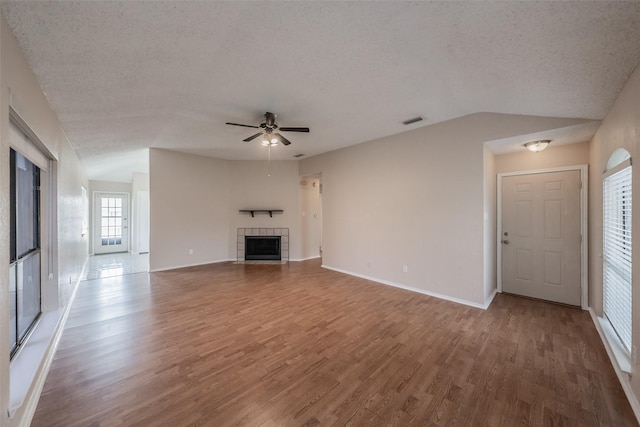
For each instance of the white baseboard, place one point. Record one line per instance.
(305, 259)
(176, 267)
(489, 300)
(622, 376)
(420, 291)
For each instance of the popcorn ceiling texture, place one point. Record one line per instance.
(124, 76)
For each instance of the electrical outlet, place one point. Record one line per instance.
(50, 276)
(190, 251)
(405, 269)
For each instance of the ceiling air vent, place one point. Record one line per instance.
(298, 155)
(411, 121)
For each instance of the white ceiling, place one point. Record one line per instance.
(125, 76)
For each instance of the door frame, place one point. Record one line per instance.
(584, 229)
(93, 218)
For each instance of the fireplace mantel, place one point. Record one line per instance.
(253, 211)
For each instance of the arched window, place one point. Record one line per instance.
(617, 245)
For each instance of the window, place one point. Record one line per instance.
(24, 262)
(617, 251)
(111, 233)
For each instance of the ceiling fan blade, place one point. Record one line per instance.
(295, 129)
(238, 124)
(252, 137)
(284, 140)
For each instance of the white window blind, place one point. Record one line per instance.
(617, 252)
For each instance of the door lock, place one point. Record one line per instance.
(506, 242)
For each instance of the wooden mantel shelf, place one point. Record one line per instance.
(253, 211)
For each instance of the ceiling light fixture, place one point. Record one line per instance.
(537, 146)
(269, 139)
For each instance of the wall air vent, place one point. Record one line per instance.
(411, 121)
(298, 155)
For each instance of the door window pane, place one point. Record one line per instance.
(111, 230)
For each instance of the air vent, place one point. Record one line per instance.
(411, 121)
(298, 155)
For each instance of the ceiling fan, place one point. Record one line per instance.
(269, 129)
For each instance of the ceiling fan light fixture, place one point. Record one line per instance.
(537, 146)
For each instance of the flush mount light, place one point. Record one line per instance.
(537, 146)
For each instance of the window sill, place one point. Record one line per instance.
(621, 355)
(27, 362)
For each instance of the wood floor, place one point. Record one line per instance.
(297, 345)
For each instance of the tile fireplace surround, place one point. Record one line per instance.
(282, 232)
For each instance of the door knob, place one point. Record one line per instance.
(506, 242)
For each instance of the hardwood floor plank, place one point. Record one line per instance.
(298, 345)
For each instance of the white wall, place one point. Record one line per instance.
(139, 183)
(189, 204)
(620, 129)
(19, 88)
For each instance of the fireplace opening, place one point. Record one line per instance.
(262, 248)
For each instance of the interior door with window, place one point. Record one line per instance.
(111, 231)
(541, 236)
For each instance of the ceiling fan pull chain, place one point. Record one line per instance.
(269, 162)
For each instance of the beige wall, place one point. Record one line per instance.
(251, 188)
(416, 199)
(620, 129)
(195, 202)
(489, 218)
(552, 157)
(19, 88)
(189, 204)
(73, 247)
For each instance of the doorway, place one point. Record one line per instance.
(311, 216)
(542, 234)
(110, 225)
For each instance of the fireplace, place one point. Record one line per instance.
(279, 234)
(262, 248)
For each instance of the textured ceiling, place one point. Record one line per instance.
(125, 76)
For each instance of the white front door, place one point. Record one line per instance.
(541, 236)
(110, 225)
